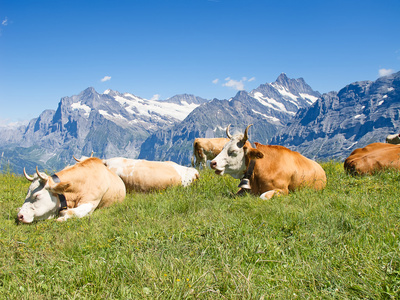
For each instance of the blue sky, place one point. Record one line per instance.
(210, 48)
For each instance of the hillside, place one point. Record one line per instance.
(202, 242)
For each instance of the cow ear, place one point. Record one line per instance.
(254, 153)
(59, 188)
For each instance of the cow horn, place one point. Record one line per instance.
(78, 160)
(245, 137)
(27, 176)
(44, 178)
(227, 132)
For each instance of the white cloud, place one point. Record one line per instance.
(106, 78)
(385, 72)
(156, 97)
(235, 84)
(4, 22)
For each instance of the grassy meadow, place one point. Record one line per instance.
(203, 242)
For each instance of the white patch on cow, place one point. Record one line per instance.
(80, 211)
(231, 160)
(120, 164)
(188, 175)
(84, 107)
(40, 203)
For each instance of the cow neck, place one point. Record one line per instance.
(250, 169)
(61, 197)
(245, 181)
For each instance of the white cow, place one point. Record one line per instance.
(144, 175)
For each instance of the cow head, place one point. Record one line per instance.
(233, 157)
(41, 200)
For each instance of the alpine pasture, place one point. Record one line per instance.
(203, 242)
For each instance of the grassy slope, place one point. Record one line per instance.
(202, 242)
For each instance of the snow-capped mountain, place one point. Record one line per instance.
(286, 112)
(269, 108)
(110, 124)
(363, 112)
(285, 95)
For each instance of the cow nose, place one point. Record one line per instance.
(213, 164)
(20, 217)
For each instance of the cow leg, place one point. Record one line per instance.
(80, 211)
(269, 194)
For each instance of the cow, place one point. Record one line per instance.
(276, 169)
(373, 158)
(74, 191)
(393, 139)
(145, 176)
(206, 149)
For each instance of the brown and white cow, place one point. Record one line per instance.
(80, 189)
(393, 139)
(277, 170)
(206, 149)
(144, 176)
(373, 158)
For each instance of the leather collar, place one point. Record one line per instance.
(61, 197)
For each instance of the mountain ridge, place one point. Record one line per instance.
(285, 112)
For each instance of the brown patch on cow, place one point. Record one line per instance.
(90, 181)
(283, 170)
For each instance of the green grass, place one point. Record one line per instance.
(202, 242)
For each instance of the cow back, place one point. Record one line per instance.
(91, 180)
(143, 175)
(373, 158)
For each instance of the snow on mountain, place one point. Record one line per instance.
(136, 105)
(361, 113)
(285, 95)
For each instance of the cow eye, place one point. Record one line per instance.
(231, 153)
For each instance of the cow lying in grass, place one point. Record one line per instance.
(373, 158)
(277, 170)
(145, 176)
(141, 175)
(75, 191)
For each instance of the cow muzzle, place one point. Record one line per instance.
(213, 165)
(21, 218)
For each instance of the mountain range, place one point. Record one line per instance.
(287, 112)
